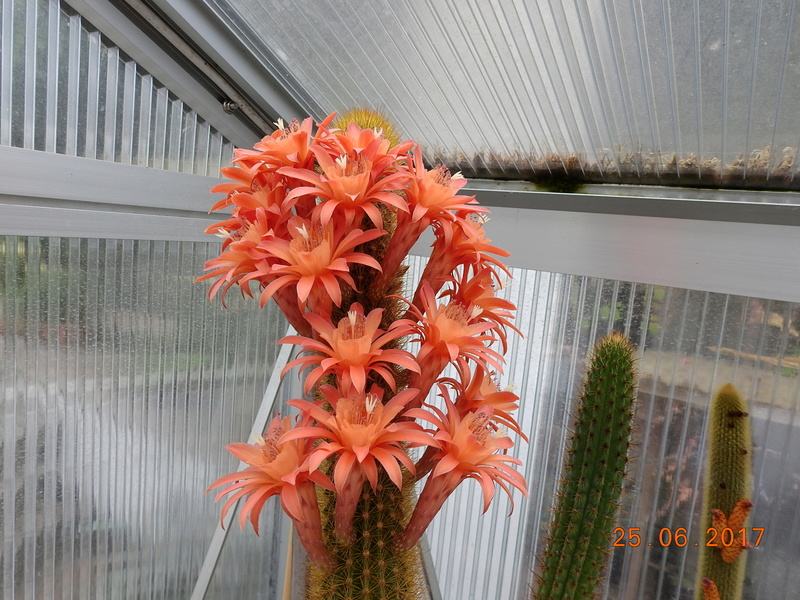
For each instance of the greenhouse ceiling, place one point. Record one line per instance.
(656, 91)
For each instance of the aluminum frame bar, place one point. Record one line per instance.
(84, 197)
(229, 46)
(744, 248)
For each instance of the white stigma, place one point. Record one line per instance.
(280, 124)
(457, 176)
(353, 316)
(342, 162)
(303, 231)
(370, 402)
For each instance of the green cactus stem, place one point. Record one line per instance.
(370, 568)
(728, 487)
(586, 507)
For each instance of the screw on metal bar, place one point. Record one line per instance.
(229, 106)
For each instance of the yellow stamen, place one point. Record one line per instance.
(480, 426)
(456, 312)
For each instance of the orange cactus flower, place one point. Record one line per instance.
(433, 194)
(314, 260)
(240, 257)
(242, 182)
(264, 207)
(462, 242)
(432, 197)
(350, 187)
(478, 290)
(478, 388)
(448, 333)
(352, 350)
(354, 140)
(286, 147)
(361, 433)
(734, 522)
(469, 450)
(276, 468)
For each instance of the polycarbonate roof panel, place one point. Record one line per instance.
(645, 91)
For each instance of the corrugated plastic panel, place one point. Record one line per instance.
(689, 343)
(669, 91)
(122, 384)
(65, 88)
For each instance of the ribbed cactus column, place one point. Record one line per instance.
(726, 497)
(583, 519)
(371, 568)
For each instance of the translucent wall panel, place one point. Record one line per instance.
(655, 92)
(121, 385)
(65, 88)
(690, 343)
(246, 553)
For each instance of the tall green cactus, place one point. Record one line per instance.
(728, 486)
(586, 507)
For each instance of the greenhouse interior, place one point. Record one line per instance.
(389, 300)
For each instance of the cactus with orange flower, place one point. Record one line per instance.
(322, 219)
(577, 547)
(726, 498)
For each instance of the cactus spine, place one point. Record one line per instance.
(586, 507)
(728, 486)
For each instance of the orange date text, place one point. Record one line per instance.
(632, 536)
(727, 537)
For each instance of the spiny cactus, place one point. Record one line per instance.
(370, 567)
(728, 486)
(322, 219)
(369, 118)
(583, 519)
